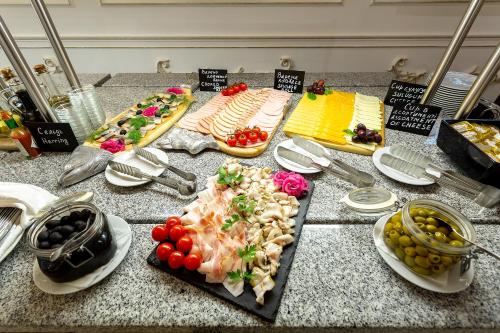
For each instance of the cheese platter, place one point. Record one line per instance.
(238, 239)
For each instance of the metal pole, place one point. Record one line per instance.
(23, 71)
(55, 40)
(480, 84)
(452, 50)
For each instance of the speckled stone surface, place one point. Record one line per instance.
(152, 202)
(347, 79)
(338, 280)
(96, 79)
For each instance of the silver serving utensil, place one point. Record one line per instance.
(497, 257)
(403, 166)
(310, 163)
(319, 151)
(155, 160)
(182, 188)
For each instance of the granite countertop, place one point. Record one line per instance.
(338, 280)
(95, 79)
(325, 208)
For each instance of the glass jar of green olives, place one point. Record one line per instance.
(423, 242)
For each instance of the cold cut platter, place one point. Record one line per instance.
(237, 240)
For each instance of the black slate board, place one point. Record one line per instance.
(247, 300)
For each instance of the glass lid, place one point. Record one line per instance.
(370, 200)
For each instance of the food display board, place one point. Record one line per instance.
(269, 310)
(145, 121)
(224, 114)
(332, 117)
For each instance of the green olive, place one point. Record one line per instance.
(434, 258)
(410, 251)
(394, 236)
(419, 219)
(438, 268)
(421, 270)
(405, 241)
(388, 227)
(422, 262)
(456, 243)
(413, 212)
(398, 226)
(446, 260)
(440, 237)
(455, 236)
(421, 251)
(423, 212)
(444, 230)
(396, 218)
(432, 213)
(389, 243)
(421, 225)
(415, 240)
(410, 261)
(399, 253)
(431, 228)
(432, 221)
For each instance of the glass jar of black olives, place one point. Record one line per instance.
(420, 239)
(71, 241)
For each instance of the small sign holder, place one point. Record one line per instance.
(413, 118)
(404, 92)
(289, 81)
(213, 80)
(53, 136)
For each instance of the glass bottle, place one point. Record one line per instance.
(9, 101)
(21, 137)
(30, 112)
(54, 95)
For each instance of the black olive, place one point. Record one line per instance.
(67, 230)
(55, 237)
(80, 225)
(55, 246)
(103, 240)
(44, 245)
(139, 112)
(139, 105)
(52, 224)
(123, 132)
(159, 99)
(166, 107)
(65, 220)
(92, 219)
(158, 114)
(75, 216)
(121, 122)
(86, 213)
(43, 236)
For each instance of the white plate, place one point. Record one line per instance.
(395, 174)
(292, 166)
(130, 158)
(453, 284)
(123, 236)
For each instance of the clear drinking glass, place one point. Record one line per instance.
(75, 115)
(87, 95)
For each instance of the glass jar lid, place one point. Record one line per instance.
(370, 200)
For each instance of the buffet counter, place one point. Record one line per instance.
(338, 281)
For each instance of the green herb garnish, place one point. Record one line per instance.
(97, 133)
(238, 275)
(349, 132)
(311, 96)
(243, 205)
(230, 221)
(138, 122)
(135, 136)
(247, 253)
(228, 179)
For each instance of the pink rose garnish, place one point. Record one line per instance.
(113, 146)
(150, 111)
(174, 90)
(291, 183)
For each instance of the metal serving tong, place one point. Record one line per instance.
(181, 187)
(155, 160)
(346, 172)
(416, 164)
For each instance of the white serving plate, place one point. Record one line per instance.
(452, 284)
(130, 158)
(395, 174)
(123, 236)
(292, 166)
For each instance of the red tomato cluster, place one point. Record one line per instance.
(174, 245)
(245, 136)
(234, 89)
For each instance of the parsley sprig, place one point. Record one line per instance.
(243, 205)
(247, 254)
(230, 221)
(229, 179)
(238, 275)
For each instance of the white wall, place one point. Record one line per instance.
(353, 35)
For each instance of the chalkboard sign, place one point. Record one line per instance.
(404, 92)
(53, 136)
(413, 118)
(212, 79)
(290, 81)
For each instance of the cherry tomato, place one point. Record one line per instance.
(176, 232)
(236, 89)
(176, 260)
(230, 92)
(242, 139)
(237, 133)
(247, 132)
(253, 137)
(256, 129)
(173, 220)
(184, 244)
(225, 92)
(231, 141)
(192, 261)
(164, 250)
(243, 86)
(263, 135)
(160, 233)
